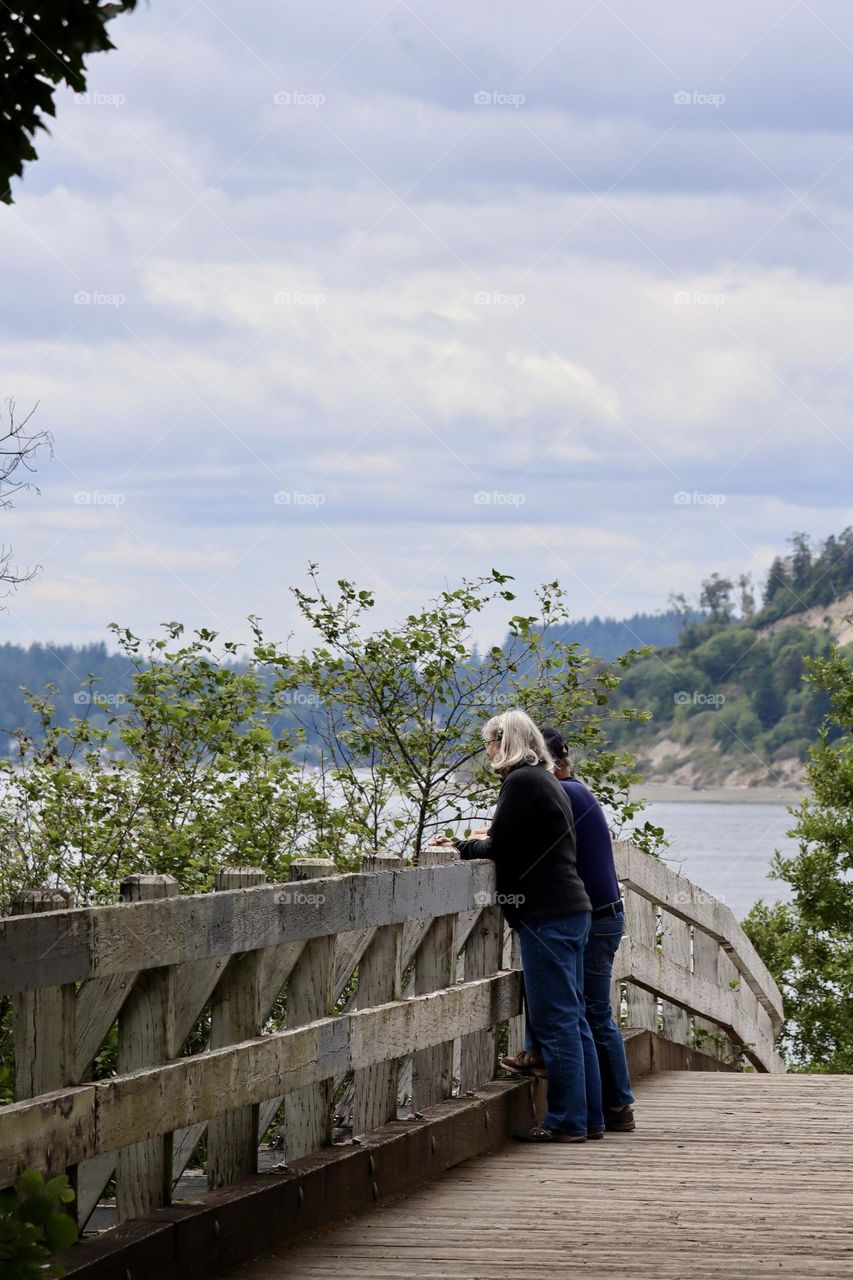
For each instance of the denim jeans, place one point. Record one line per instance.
(604, 937)
(552, 955)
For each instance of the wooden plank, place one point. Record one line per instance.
(512, 960)
(65, 946)
(703, 1196)
(675, 942)
(98, 1003)
(640, 928)
(235, 1015)
(707, 1033)
(380, 980)
(44, 1031)
(43, 1021)
(482, 953)
(698, 996)
(144, 1169)
(435, 969)
(310, 995)
(149, 1102)
(192, 986)
(657, 882)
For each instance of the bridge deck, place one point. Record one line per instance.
(735, 1176)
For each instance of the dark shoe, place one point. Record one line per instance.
(525, 1064)
(620, 1120)
(596, 1133)
(538, 1133)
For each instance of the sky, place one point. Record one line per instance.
(418, 290)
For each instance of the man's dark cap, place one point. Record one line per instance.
(554, 741)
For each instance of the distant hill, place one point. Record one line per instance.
(67, 667)
(608, 638)
(728, 701)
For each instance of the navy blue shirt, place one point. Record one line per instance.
(594, 845)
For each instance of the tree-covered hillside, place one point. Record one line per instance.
(728, 702)
(810, 577)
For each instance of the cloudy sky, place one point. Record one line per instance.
(414, 290)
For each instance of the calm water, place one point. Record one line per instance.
(726, 848)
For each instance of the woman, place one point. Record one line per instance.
(532, 843)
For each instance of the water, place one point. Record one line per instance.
(726, 848)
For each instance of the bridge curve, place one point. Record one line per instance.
(332, 1005)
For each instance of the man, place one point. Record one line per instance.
(597, 870)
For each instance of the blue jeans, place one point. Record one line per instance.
(552, 955)
(605, 935)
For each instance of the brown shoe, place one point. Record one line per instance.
(596, 1133)
(620, 1120)
(525, 1064)
(538, 1133)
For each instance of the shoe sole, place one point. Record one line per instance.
(539, 1073)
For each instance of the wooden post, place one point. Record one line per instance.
(435, 969)
(728, 979)
(44, 1026)
(640, 925)
(235, 1015)
(478, 1057)
(512, 960)
(145, 1038)
(708, 1037)
(676, 948)
(310, 995)
(43, 1020)
(379, 981)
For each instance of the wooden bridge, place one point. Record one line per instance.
(352, 1023)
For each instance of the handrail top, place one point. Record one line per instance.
(78, 943)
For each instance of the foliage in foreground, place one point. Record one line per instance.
(45, 46)
(33, 1227)
(808, 943)
(199, 769)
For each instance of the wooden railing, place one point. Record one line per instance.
(359, 994)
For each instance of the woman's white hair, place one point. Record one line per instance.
(520, 741)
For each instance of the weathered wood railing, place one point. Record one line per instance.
(353, 992)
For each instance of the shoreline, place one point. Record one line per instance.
(675, 793)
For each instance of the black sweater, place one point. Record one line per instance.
(532, 842)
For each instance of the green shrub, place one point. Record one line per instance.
(33, 1228)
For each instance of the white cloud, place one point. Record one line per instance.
(593, 299)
